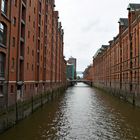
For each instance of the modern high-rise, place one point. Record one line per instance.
(74, 62)
(70, 72)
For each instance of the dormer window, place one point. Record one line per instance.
(4, 7)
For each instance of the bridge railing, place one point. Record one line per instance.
(72, 82)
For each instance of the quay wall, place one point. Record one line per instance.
(10, 116)
(132, 97)
(116, 65)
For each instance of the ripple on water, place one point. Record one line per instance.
(84, 114)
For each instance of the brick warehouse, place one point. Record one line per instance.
(31, 49)
(88, 73)
(116, 67)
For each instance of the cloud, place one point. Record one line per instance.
(88, 24)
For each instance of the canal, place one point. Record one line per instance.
(82, 113)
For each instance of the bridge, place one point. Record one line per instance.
(73, 82)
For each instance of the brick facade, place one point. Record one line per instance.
(88, 73)
(33, 52)
(116, 66)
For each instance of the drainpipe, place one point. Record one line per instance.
(138, 52)
(10, 10)
(52, 48)
(120, 38)
(137, 84)
(17, 61)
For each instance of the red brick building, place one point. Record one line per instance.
(88, 73)
(116, 67)
(31, 49)
(4, 48)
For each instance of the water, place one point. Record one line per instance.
(83, 113)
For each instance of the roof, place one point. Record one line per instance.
(68, 64)
(104, 46)
(123, 21)
(99, 51)
(133, 6)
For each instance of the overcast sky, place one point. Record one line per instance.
(88, 24)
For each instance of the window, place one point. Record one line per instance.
(39, 19)
(29, 18)
(28, 34)
(14, 21)
(4, 6)
(40, 7)
(15, 2)
(12, 89)
(28, 50)
(34, 10)
(39, 31)
(13, 42)
(3, 33)
(1, 91)
(30, 3)
(32, 52)
(2, 64)
(13, 63)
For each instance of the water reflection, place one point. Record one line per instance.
(83, 113)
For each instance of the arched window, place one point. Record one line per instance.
(4, 6)
(2, 64)
(3, 33)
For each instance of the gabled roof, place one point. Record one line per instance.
(133, 6)
(123, 21)
(104, 46)
(99, 51)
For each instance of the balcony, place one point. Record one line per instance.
(21, 71)
(38, 51)
(21, 51)
(40, 7)
(23, 16)
(21, 58)
(22, 33)
(24, 2)
(22, 39)
(22, 22)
